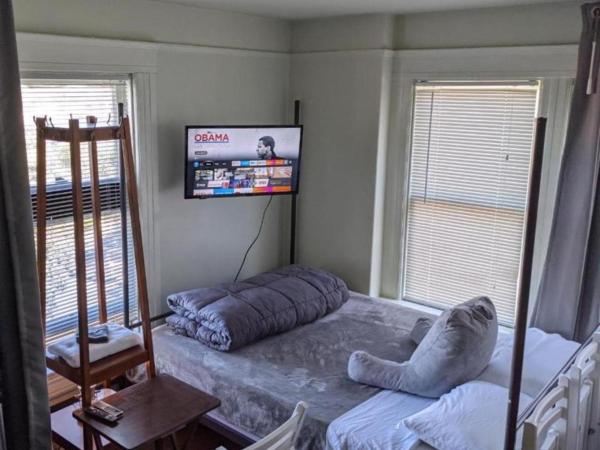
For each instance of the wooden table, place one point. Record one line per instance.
(67, 432)
(152, 411)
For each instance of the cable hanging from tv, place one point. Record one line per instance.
(262, 222)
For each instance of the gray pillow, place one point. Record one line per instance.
(456, 349)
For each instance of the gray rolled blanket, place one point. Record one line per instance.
(233, 315)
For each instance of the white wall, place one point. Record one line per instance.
(339, 74)
(341, 94)
(144, 20)
(202, 241)
(214, 81)
(543, 24)
(371, 31)
(338, 71)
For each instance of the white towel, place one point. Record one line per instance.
(119, 339)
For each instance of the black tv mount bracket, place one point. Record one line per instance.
(294, 196)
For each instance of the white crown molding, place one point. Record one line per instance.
(485, 62)
(53, 53)
(345, 53)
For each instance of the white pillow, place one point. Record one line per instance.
(471, 416)
(545, 354)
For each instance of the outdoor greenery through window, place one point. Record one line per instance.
(469, 175)
(59, 99)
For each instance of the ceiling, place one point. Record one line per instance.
(304, 9)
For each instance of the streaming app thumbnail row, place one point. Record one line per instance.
(243, 173)
(230, 191)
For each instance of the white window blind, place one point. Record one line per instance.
(59, 99)
(469, 175)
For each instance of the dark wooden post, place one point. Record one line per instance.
(40, 123)
(524, 285)
(136, 230)
(294, 206)
(97, 215)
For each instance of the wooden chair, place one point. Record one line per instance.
(284, 437)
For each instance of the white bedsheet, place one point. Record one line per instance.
(545, 354)
(376, 423)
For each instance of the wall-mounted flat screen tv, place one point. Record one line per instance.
(226, 161)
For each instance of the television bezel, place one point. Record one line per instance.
(258, 194)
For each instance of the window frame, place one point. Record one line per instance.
(405, 243)
(51, 56)
(59, 193)
(553, 66)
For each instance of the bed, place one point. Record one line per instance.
(260, 384)
(377, 423)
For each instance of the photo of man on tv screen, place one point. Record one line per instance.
(266, 148)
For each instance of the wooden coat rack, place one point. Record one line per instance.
(89, 374)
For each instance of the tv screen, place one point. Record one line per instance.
(241, 160)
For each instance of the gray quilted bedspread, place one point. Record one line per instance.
(260, 384)
(231, 316)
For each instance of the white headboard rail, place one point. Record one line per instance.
(568, 416)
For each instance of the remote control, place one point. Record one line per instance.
(96, 335)
(100, 414)
(110, 409)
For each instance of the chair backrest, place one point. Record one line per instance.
(546, 427)
(563, 418)
(593, 436)
(284, 437)
(584, 415)
(586, 370)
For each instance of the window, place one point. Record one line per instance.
(470, 155)
(58, 99)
